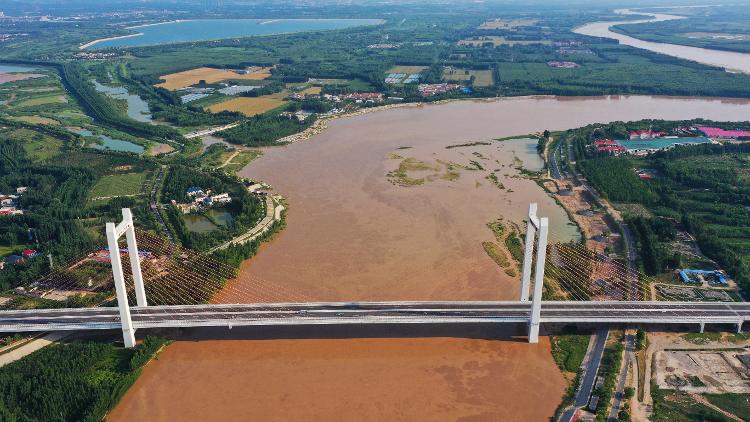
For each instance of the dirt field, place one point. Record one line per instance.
(191, 77)
(701, 363)
(591, 225)
(314, 90)
(507, 24)
(249, 106)
(406, 69)
(12, 77)
(481, 77)
(496, 40)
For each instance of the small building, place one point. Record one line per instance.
(194, 191)
(14, 259)
(29, 253)
(646, 134)
(222, 198)
(698, 276)
(21, 189)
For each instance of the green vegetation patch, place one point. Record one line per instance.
(737, 404)
(115, 185)
(680, 407)
(76, 381)
(568, 350)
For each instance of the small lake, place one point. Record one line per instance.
(198, 223)
(137, 108)
(112, 144)
(214, 29)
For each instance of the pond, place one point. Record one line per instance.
(198, 223)
(214, 29)
(137, 108)
(108, 143)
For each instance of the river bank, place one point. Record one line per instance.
(731, 61)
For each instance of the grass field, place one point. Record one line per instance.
(35, 120)
(33, 102)
(406, 69)
(187, 78)
(249, 106)
(569, 350)
(39, 147)
(119, 185)
(481, 77)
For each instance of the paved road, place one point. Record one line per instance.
(155, 206)
(592, 361)
(332, 313)
(554, 162)
(30, 347)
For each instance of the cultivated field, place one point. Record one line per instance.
(481, 77)
(187, 78)
(249, 106)
(314, 90)
(507, 24)
(37, 101)
(406, 69)
(497, 40)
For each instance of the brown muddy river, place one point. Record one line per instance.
(354, 233)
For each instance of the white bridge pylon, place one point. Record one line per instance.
(114, 232)
(537, 230)
(534, 225)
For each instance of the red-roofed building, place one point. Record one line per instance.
(29, 253)
(715, 132)
(605, 142)
(615, 149)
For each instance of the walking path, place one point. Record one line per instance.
(273, 213)
(627, 360)
(31, 347)
(209, 131)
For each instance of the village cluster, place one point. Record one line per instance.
(9, 204)
(648, 142)
(201, 200)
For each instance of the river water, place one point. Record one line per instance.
(732, 61)
(352, 234)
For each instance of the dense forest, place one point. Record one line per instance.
(71, 382)
(265, 130)
(700, 188)
(245, 208)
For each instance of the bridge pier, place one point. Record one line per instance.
(536, 302)
(703, 326)
(531, 226)
(127, 228)
(739, 327)
(128, 333)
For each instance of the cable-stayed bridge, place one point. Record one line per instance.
(173, 287)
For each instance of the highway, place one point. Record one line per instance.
(342, 313)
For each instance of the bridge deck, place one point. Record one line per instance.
(341, 313)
